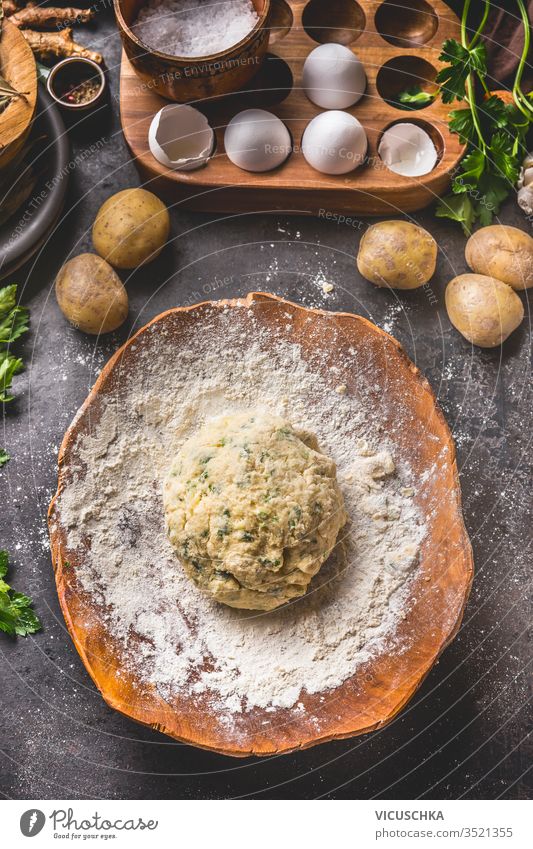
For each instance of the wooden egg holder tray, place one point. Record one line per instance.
(417, 30)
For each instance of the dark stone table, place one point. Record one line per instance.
(463, 735)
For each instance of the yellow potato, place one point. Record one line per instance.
(131, 228)
(91, 295)
(397, 254)
(502, 252)
(483, 309)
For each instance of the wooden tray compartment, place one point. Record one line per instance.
(398, 42)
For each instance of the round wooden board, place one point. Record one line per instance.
(17, 66)
(406, 407)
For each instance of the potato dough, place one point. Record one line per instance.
(483, 309)
(397, 254)
(91, 295)
(502, 252)
(253, 509)
(131, 228)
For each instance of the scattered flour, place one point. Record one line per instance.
(174, 638)
(194, 27)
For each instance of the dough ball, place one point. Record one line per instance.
(253, 509)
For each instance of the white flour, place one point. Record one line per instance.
(194, 27)
(167, 628)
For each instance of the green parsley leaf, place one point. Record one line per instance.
(16, 614)
(7, 619)
(27, 622)
(502, 156)
(4, 457)
(9, 366)
(13, 323)
(413, 98)
(7, 299)
(472, 168)
(515, 120)
(461, 62)
(459, 208)
(494, 112)
(493, 189)
(461, 122)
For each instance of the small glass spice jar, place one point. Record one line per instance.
(76, 84)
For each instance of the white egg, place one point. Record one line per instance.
(408, 150)
(256, 140)
(334, 142)
(180, 137)
(333, 77)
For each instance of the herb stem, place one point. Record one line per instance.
(520, 99)
(471, 100)
(470, 94)
(481, 27)
(464, 16)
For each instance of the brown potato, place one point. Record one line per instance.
(502, 252)
(483, 309)
(397, 254)
(90, 294)
(131, 228)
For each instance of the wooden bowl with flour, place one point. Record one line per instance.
(232, 681)
(183, 78)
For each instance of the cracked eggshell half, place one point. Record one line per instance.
(408, 150)
(333, 77)
(334, 142)
(180, 137)
(256, 140)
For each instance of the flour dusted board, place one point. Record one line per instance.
(398, 42)
(373, 366)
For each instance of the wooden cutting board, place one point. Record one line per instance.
(409, 415)
(17, 66)
(398, 42)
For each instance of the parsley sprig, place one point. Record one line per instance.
(413, 98)
(494, 131)
(13, 323)
(16, 615)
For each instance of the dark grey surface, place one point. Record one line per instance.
(465, 732)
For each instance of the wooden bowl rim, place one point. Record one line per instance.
(13, 34)
(191, 60)
(466, 548)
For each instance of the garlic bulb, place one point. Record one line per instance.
(525, 185)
